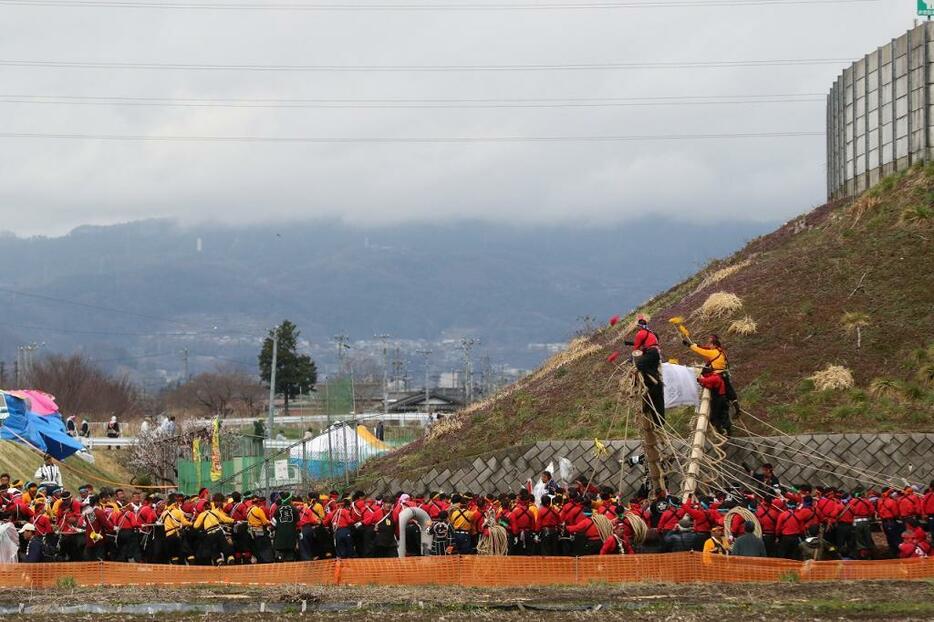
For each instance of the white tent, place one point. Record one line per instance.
(342, 443)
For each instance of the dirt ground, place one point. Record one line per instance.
(700, 602)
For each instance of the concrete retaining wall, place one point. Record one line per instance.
(812, 458)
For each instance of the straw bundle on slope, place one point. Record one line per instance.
(744, 326)
(719, 305)
(833, 377)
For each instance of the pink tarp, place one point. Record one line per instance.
(38, 402)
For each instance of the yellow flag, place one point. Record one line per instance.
(196, 450)
(599, 449)
(217, 469)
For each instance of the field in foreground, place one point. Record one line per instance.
(786, 601)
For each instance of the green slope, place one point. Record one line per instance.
(21, 462)
(872, 256)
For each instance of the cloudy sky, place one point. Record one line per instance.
(51, 185)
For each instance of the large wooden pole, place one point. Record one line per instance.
(650, 447)
(689, 485)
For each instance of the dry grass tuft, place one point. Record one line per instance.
(862, 206)
(833, 377)
(722, 273)
(925, 374)
(745, 326)
(445, 426)
(885, 387)
(720, 305)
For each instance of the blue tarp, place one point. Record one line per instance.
(44, 432)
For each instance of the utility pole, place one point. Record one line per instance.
(25, 359)
(187, 375)
(466, 345)
(384, 339)
(272, 381)
(342, 345)
(426, 354)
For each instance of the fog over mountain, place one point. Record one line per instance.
(148, 290)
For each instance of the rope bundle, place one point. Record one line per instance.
(639, 527)
(746, 514)
(496, 542)
(603, 525)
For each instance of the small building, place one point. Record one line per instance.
(439, 401)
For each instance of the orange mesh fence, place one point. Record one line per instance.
(471, 571)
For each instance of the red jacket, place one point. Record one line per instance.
(788, 524)
(432, 508)
(887, 508)
(548, 517)
(737, 525)
(341, 518)
(700, 518)
(43, 524)
(808, 517)
(614, 546)
(909, 505)
(927, 504)
(713, 382)
(668, 520)
(522, 519)
(125, 519)
(570, 513)
(96, 522)
(147, 515)
(644, 340)
(907, 550)
(587, 527)
(860, 508)
(768, 517)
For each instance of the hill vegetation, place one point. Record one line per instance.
(21, 462)
(827, 321)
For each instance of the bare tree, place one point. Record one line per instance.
(223, 393)
(82, 388)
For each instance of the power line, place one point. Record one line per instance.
(402, 140)
(781, 62)
(342, 104)
(105, 333)
(95, 307)
(410, 7)
(84, 304)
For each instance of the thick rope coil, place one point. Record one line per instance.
(495, 544)
(496, 541)
(747, 515)
(603, 524)
(639, 527)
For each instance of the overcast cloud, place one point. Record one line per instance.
(50, 186)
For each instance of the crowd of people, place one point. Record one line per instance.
(573, 520)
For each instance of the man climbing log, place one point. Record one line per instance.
(647, 357)
(715, 357)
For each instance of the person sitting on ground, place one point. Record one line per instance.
(748, 544)
(912, 547)
(618, 543)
